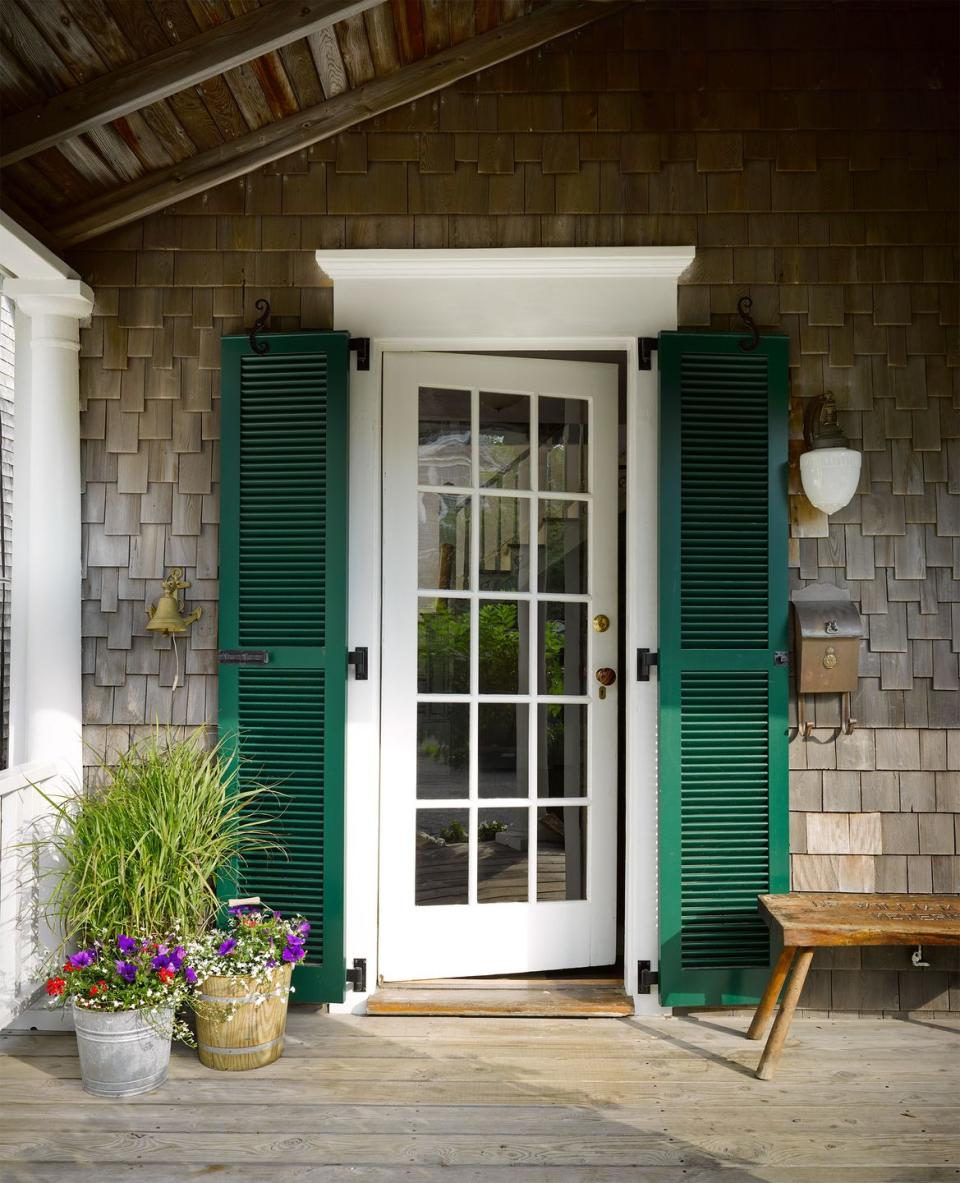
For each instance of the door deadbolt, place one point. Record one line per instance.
(601, 623)
(606, 677)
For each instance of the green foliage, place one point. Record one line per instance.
(142, 853)
(489, 830)
(454, 834)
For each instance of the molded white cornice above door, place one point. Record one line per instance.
(504, 293)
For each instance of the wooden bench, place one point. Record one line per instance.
(821, 920)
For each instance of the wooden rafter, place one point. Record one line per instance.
(165, 73)
(240, 156)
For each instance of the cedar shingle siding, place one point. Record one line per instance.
(810, 153)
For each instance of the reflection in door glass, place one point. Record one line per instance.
(504, 544)
(444, 444)
(443, 749)
(562, 637)
(562, 750)
(443, 646)
(502, 858)
(562, 533)
(505, 440)
(504, 647)
(563, 445)
(502, 749)
(443, 856)
(443, 548)
(562, 853)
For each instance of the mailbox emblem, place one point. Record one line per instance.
(830, 658)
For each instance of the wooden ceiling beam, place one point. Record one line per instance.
(185, 64)
(249, 152)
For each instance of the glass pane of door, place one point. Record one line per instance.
(503, 647)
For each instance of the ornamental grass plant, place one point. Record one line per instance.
(142, 853)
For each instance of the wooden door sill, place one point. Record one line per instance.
(529, 997)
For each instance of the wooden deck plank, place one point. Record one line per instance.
(532, 1120)
(609, 1146)
(720, 1173)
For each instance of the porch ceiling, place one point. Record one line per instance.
(115, 108)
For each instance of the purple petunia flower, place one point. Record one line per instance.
(228, 946)
(177, 956)
(126, 944)
(305, 927)
(82, 959)
(190, 974)
(271, 963)
(292, 953)
(127, 971)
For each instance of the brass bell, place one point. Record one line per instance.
(166, 616)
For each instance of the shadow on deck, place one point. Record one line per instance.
(418, 1100)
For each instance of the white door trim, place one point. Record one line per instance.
(565, 300)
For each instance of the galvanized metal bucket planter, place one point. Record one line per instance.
(253, 1037)
(123, 1053)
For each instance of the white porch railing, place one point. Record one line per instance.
(25, 937)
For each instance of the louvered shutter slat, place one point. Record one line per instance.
(723, 614)
(283, 563)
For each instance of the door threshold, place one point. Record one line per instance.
(527, 997)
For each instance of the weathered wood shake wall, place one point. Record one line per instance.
(810, 153)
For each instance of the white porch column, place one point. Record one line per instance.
(48, 482)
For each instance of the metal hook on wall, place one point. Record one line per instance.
(260, 325)
(744, 304)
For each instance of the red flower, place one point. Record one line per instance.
(55, 987)
(93, 990)
(165, 975)
(102, 984)
(68, 968)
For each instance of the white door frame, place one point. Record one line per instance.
(502, 300)
(473, 937)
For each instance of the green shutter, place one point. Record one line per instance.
(283, 589)
(723, 700)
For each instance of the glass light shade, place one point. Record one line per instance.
(830, 477)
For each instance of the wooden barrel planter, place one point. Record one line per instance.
(253, 1038)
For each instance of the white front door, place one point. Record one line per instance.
(499, 743)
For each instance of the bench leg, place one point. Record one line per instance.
(771, 994)
(778, 1035)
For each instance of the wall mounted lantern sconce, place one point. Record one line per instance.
(829, 468)
(166, 616)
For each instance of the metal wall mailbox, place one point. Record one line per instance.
(828, 631)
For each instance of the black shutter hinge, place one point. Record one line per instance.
(646, 347)
(781, 657)
(357, 977)
(358, 659)
(646, 977)
(646, 659)
(361, 347)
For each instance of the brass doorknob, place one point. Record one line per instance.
(606, 676)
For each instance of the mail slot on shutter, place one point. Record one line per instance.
(829, 629)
